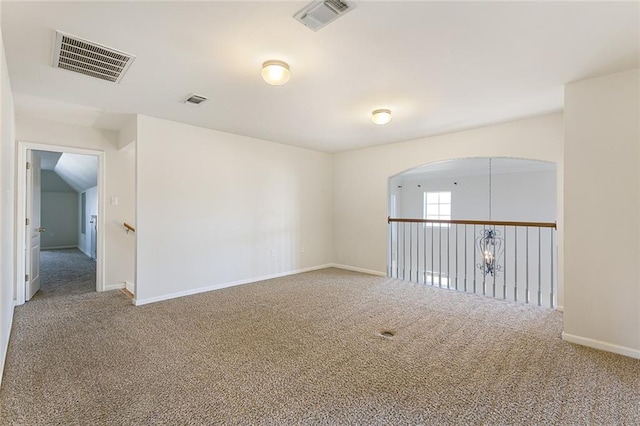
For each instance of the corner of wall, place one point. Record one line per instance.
(128, 133)
(7, 207)
(602, 305)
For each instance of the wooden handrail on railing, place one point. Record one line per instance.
(129, 227)
(475, 222)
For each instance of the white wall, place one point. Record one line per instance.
(7, 207)
(215, 208)
(30, 129)
(91, 208)
(360, 179)
(525, 196)
(123, 186)
(602, 235)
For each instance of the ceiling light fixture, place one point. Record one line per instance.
(490, 244)
(381, 116)
(276, 73)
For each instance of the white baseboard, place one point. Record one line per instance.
(118, 286)
(82, 250)
(139, 302)
(5, 347)
(560, 308)
(130, 287)
(59, 247)
(355, 269)
(604, 346)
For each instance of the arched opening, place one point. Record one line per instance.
(478, 225)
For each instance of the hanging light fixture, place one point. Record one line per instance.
(276, 73)
(490, 243)
(381, 116)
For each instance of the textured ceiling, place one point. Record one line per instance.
(439, 66)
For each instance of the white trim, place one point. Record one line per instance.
(5, 349)
(21, 193)
(355, 269)
(60, 247)
(560, 308)
(130, 287)
(604, 346)
(84, 252)
(118, 286)
(139, 302)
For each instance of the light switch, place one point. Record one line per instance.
(114, 201)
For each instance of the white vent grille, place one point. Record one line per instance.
(195, 100)
(320, 13)
(75, 54)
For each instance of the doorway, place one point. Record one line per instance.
(60, 204)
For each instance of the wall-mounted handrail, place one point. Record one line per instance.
(476, 222)
(129, 227)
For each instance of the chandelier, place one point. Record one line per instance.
(490, 243)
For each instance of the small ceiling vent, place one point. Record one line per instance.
(85, 57)
(319, 13)
(194, 99)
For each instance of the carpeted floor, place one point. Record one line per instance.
(65, 272)
(307, 349)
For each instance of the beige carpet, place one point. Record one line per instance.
(64, 272)
(307, 349)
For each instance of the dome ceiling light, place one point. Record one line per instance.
(381, 116)
(276, 73)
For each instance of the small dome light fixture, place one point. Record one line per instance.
(276, 73)
(381, 116)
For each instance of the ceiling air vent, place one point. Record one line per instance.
(319, 13)
(85, 57)
(195, 100)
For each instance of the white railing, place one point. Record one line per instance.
(521, 265)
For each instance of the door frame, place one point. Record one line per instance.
(32, 213)
(21, 213)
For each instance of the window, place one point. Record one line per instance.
(437, 206)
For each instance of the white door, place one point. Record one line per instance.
(33, 225)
